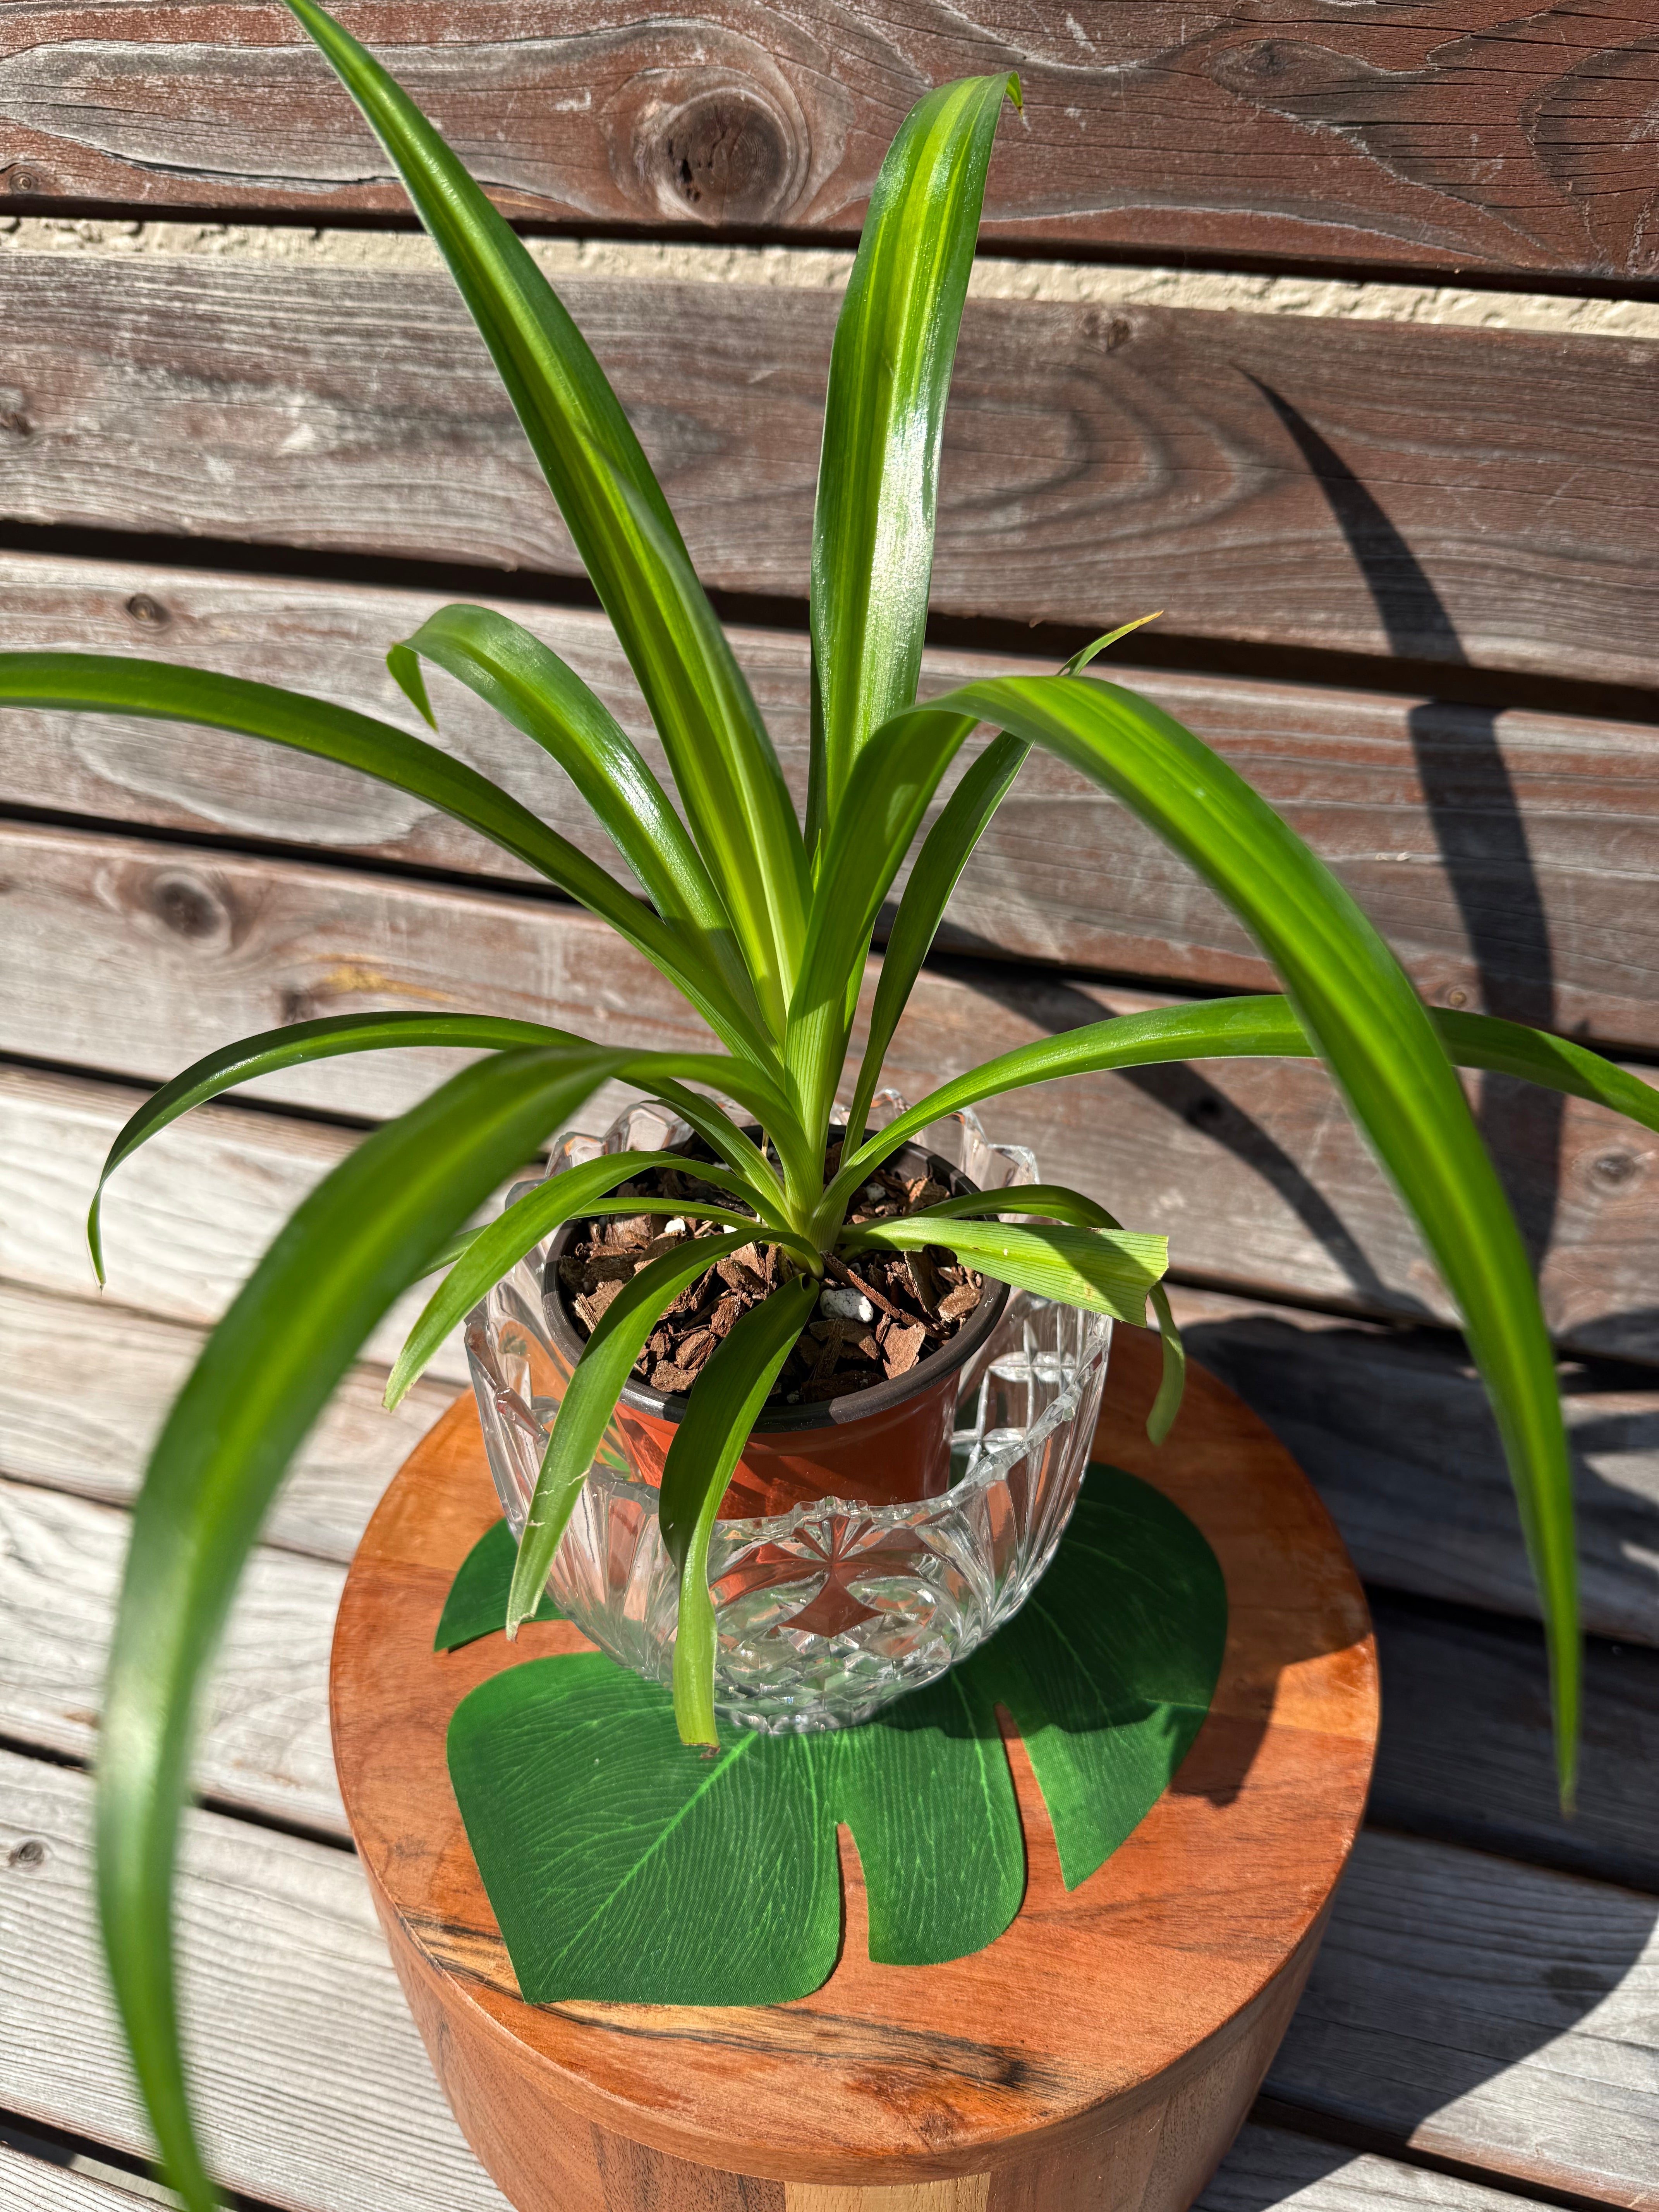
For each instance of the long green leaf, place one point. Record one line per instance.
(1060, 1204)
(299, 1044)
(1385, 1055)
(538, 693)
(889, 377)
(611, 503)
(102, 683)
(1108, 1272)
(724, 1405)
(267, 1373)
(878, 816)
(304, 1042)
(945, 852)
(1257, 1027)
(606, 1362)
(575, 1192)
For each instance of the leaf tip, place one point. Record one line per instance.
(404, 664)
(1015, 92)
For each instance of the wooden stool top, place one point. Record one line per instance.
(1088, 1999)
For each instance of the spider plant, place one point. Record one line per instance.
(763, 923)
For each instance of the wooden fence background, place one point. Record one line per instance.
(1334, 332)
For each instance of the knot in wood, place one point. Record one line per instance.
(1615, 1171)
(187, 907)
(148, 611)
(716, 145)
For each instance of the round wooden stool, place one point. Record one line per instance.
(1100, 2054)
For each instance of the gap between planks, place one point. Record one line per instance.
(826, 269)
(1463, 2005)
(1320, 462)
(1431, 813)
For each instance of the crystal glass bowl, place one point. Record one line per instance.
(824, 1612)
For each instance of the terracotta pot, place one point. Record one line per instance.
(887, 1445)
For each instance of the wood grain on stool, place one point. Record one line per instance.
(1100, 2054)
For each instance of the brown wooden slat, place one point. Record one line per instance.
(1470, 137)
(1448, 495)
(1513, 858)
(1270, 2167)
(136, 958)
(313, 2089)
(1395, 1429)
(192, 1212)
(94, 1438)
(1493, 2014)
(1466, 1753)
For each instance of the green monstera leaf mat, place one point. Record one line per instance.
(622, 1866)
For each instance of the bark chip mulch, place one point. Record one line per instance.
(877, 1316)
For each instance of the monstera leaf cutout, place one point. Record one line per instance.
(623, 1867)
(476, 1604)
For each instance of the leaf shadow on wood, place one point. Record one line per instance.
(1055, 1007)
(1476, 817)
(1394, 1428)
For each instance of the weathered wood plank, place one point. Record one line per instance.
(1494, 2014)
(194, 1209)
(1488, 2013)
(1466, 1753)
(1465, 1756)
(35, 2184)
(1466, 139)
(84, 1388)
(135, 958)
(313, 2085)
(264, 1743)
(1451, 495)
(1395, 1429)
(1510, 857)
(1270, 2166)
(1392, 1429)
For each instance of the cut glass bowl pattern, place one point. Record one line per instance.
(824, 1612)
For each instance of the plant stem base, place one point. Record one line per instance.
(1101, 2054)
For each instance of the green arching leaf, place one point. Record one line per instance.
(1060, 1204)
(476, 1604)
(572, 1195)
(1079, 661)
(1256, 1028)
(528, 684)
(1501, 1048)
(625, 1869)
(1108, 1271)
(1372, 1032)
(886, 795)
(103, 683)
(611, 503)
(264, 1376)
(297, 1045)
(945, 852)
(729, 781)
(724, 1404)
(890, 377)
(586, 1410)
(304, 1042)
(452, 1249)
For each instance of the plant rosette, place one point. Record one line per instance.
(866, 1542)
(761, 917)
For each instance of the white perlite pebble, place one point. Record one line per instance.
(675, 1226)
(838, 1305)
